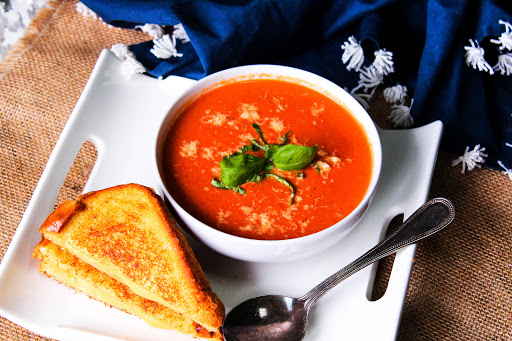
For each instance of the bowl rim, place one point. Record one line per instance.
(349, 102)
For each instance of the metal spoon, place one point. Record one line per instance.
(279, 318)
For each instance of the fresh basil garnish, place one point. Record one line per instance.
(240, 168)
(268, 166)
(284, 138)
(270, 152)
(249, 147)
(293, 157)
(259, 145)
(219, 184)
(284, 182)
(258, 130)
(269, 149)
(285, 156)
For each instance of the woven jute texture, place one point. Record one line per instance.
(461, 283)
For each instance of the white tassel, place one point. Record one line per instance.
(153, 30)
(85, 11)
(131, 66)
(505, 40)
(395, 94)
(179, 32)
(471, 159)
(401, 115)
(504, 65)
(165, 47)
(506, 171)
(122, 51)
(475, 57)
(384, 62)
(369, 79)
(353, 54)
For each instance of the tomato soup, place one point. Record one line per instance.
(220, 122)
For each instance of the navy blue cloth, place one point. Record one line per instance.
(427, 38)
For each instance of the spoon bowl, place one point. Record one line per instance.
(279, 318)
(271, 317)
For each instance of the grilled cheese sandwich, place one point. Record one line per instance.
(126, 233)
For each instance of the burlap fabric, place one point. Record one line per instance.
(461, 284)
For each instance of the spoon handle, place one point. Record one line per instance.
(430, 218)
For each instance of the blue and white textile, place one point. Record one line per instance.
(453, 58)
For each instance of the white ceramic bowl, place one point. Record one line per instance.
(272, 250)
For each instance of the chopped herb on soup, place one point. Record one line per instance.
(239, 168)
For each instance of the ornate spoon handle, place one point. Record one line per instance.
(430, 218)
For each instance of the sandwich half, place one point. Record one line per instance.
(121, 246)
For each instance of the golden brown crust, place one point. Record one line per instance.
(60, 265)
(128, 233)
(61, 215)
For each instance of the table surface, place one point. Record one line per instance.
(461, 282)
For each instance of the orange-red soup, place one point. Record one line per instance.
(218, 123)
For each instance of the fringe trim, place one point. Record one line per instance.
(33, 31)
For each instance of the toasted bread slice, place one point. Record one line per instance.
(67, 269)
(128, 233)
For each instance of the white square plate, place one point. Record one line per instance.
(120, 116)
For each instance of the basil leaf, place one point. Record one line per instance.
(220, 184)
(293, 157)
(268, 166)
(258, 130)
(260, 133)
(259, 145)
(249, 147)
(281, 180)
(284, 138)
(258, 177)
(271, 150)
(240, 168)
